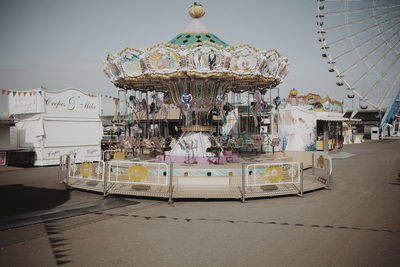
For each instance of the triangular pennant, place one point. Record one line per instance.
(34, 92)
(3, 92)
(25, 93)
(8, 92)
(30, 93)
(19, 93)
(14, 93)
(40, 92)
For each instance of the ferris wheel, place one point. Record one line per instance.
(361, 41)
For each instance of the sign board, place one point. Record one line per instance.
(71, 102)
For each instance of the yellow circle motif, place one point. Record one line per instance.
(86, 169)
(119, 156)
(137, 173)
(274, 174)
(321, 162)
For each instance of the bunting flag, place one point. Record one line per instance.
(32, 93)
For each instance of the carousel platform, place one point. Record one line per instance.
(240, 180)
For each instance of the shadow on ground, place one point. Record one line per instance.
(17, 198)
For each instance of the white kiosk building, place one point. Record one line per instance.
(57, 123)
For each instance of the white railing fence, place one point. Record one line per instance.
(322, 167)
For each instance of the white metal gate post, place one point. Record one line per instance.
(301, 179)
(68, 170)
(105, 178)
(243, 184)
(171, 188)
(327, 173)
(312, 163)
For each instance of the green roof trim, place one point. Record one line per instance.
(188, 38)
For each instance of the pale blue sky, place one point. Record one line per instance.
(60, 43)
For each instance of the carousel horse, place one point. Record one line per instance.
(166, 145)
(188, 146)
(215, 148)
(259, 103)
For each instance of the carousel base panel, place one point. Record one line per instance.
(213, 182)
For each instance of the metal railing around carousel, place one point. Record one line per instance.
(152, 179)
(272, 179)
(322, 168)
(139, 178)
(87, 175)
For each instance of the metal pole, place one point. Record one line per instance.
(327, 173)
(325, 127)
(59, 169)
(147, 115)
(312, 163)
(105, 178)
(171, 170)
(243, 184)
(248, 114)
(301, 179)
(68, 168)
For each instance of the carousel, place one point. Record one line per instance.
(200, 76)
(195, 71)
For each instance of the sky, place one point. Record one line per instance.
(60, 44)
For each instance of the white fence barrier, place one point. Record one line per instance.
(144, 173)
(92, 171)
(260, 179)
(322, 167)
(272, 173)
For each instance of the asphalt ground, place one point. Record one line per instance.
(357, 223)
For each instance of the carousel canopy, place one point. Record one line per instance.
(196, 55)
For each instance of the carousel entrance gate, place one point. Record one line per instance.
(271, 179)
(88, 175)
(322, 168)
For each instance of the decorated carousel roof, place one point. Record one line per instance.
(193, 38)
(196, 55)
(194, 34)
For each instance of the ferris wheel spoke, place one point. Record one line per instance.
(362, 32)
(389, 91)
(367, 41)
(360, 10)
(362, 20)
(363, 48)
(375, 64)
(386, 72)
(370, 53)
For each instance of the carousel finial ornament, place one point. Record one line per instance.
(196, 10)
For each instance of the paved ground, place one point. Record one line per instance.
(355, 224)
